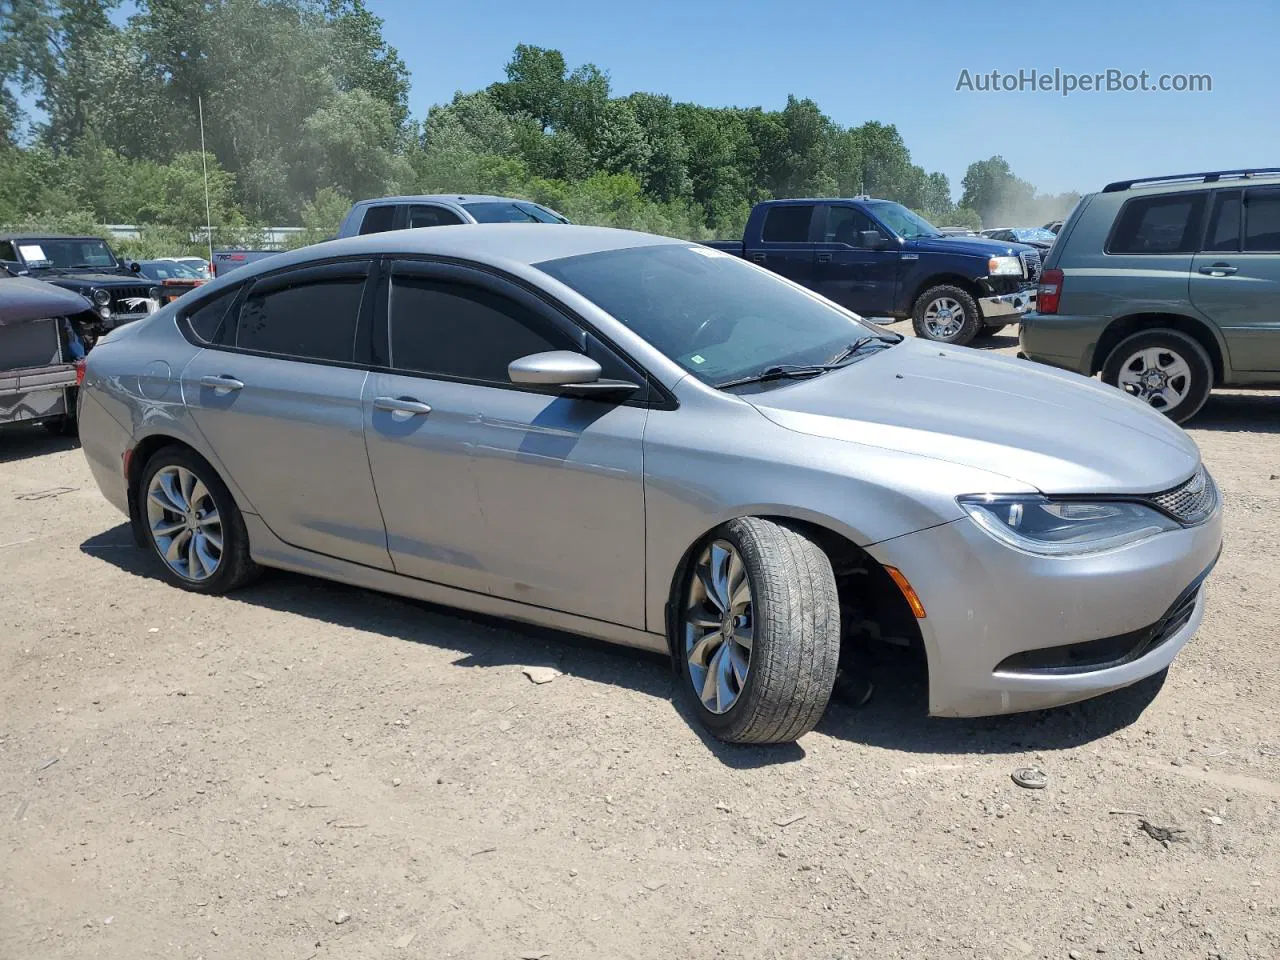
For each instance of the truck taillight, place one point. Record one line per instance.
(1049, 292)
(79, 365)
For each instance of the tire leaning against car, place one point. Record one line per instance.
(160, 512)
(789, 612)
(924, 313)
(1173, 344)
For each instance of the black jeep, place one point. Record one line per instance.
(87, 266)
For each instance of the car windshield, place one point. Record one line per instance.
(1033, 235)
(170, 270)
(61, 253)
(716, 316)
(511, 211)
(902, 221)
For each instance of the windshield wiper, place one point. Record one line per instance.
(780, 371)
(852, 349)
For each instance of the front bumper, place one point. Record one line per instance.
(1006, 307)
(987, 604)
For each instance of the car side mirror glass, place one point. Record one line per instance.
(872, 239)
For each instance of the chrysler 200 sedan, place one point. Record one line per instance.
(650, 442)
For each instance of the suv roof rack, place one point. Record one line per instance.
(1211, 176)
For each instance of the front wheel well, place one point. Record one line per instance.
(872, 606)
(966, 284)
(1124, 327)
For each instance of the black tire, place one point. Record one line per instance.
(969, 326)
(1175, 344)
(795, 652)
(63, 426)
(235, 567)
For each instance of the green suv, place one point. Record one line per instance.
(1168, 287)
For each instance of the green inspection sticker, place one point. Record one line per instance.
(698, 359)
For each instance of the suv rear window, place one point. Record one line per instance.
(1162, 224)
(378, 219)
(788, 223)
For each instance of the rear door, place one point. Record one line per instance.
(860, 278)
(277, 395)
(786, 242)
(1235, 279)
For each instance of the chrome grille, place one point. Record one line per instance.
(1031, 265)
(1191, 502)
(121, 294)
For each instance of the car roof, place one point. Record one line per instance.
(1178, 183)
(445, 197)
(48, 236)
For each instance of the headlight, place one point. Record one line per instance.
(154, 293)
(104, 312)
(1064, 528)
(1004, 267)
(101, 297)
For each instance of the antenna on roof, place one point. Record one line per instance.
(204, 163)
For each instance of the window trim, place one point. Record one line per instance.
(482, 276)
(1193, 195)
(1269, 191)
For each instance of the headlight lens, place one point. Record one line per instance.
(1004, 267)
(1064, 528)
(101, 297)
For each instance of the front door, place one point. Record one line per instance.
(279, 399)
(860, 278)
(1235, 279)
(514, 492)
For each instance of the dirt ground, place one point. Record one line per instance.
(306, 770)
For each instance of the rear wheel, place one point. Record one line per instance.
(759, 641)
(1166, 369)
(946, 314)
(193, 524)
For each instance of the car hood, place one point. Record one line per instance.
(89, 278)
(967, 246)
(1055, 431)
(23, 300)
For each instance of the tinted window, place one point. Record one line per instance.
(510, 211)
(460, 331)
(206, 319)
(1262, 221)
(430, 216)
(7, 252)
(1224, 224)
(378, 220)
(844, 224)
(312, 320)
(787, 224)
(1168, 224)
(711, 313)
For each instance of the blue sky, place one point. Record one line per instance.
(898, 62)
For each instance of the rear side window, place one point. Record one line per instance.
(1224, 222)
(431, 216)
(459, 331)
(206, 319)
(1162, 224)
(1262, 221)
(378, 219)
(788, 223)
(312, 319)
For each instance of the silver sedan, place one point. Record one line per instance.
(654, 443)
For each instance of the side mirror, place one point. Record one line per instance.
(872, 240)
(135, 267)
(573, 372)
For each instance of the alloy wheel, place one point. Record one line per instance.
(719, 626)
(184, 523)
(1157, 375)
(943, 318)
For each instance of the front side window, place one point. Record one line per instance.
(454, 330)
(510, 211)
(787, 223)
(378, 219)
(7, 252)
(1262, 221)
(845, 225)
(431, 216)
(1161, 224)
(312, 319)
(713, 314)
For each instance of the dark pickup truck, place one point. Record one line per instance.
(878, 259)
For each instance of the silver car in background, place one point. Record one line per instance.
(649, 442)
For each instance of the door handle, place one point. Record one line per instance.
(1219, 270)
(401, 405)
(824, 258)
(222, 383)
(758, 257)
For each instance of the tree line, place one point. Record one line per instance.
(306, 108)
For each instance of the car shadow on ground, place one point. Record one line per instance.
(895, 718)
(1242, 412)
(25, 442)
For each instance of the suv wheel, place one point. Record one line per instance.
(946, 314)
(759, 640)
(1168, 370)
